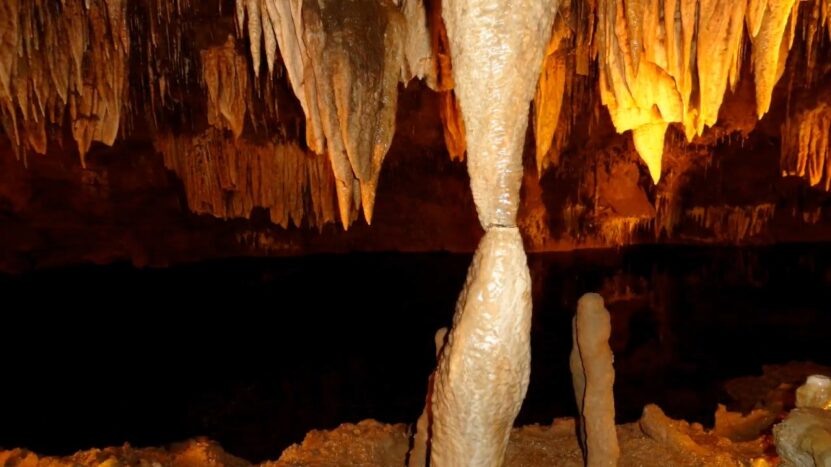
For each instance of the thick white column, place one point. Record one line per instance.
(496, 47)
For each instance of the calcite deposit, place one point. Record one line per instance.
(593, 377)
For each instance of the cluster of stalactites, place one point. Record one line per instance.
(225, 75)
(344, 60)
(655, 57)
(63, 55)
(228, 178)
(806, 144)
(162, 45)
(567, 56)
(450, 113)
(732, 224)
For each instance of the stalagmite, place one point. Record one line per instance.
(227, 178)
(421, 442)
(593, 376)
(483, 371)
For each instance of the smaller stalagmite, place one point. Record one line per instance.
(593, 376)
(421, 441)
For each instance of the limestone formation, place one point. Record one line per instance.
(344, 60)
(421, 442)
(804, 438)
(99, 68)
(43, 73)
(593, 376)
(483, 371)
(655, 56)
(228, 178)
(815, 393)
(805, 148)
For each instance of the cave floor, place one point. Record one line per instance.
(738, 438)
(370, 443)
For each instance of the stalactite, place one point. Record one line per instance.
(419, 60)
(69, 55)
(668, 214)
(774, 23)
(548, 100)
(225, 74)
(166, 54)
(449, 111)
(734, 224)
(805, 148)
(622, 230)
(453, 125)
(228, 178)
(654, 62)
(349, 98)
(815, 24)
(812, 217)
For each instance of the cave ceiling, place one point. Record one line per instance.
(162, 131)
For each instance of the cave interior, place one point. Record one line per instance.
(230, 229)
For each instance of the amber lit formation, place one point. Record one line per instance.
(658, 65)
(652, 62)
(806, 143)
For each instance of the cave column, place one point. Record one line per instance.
(496, 48)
